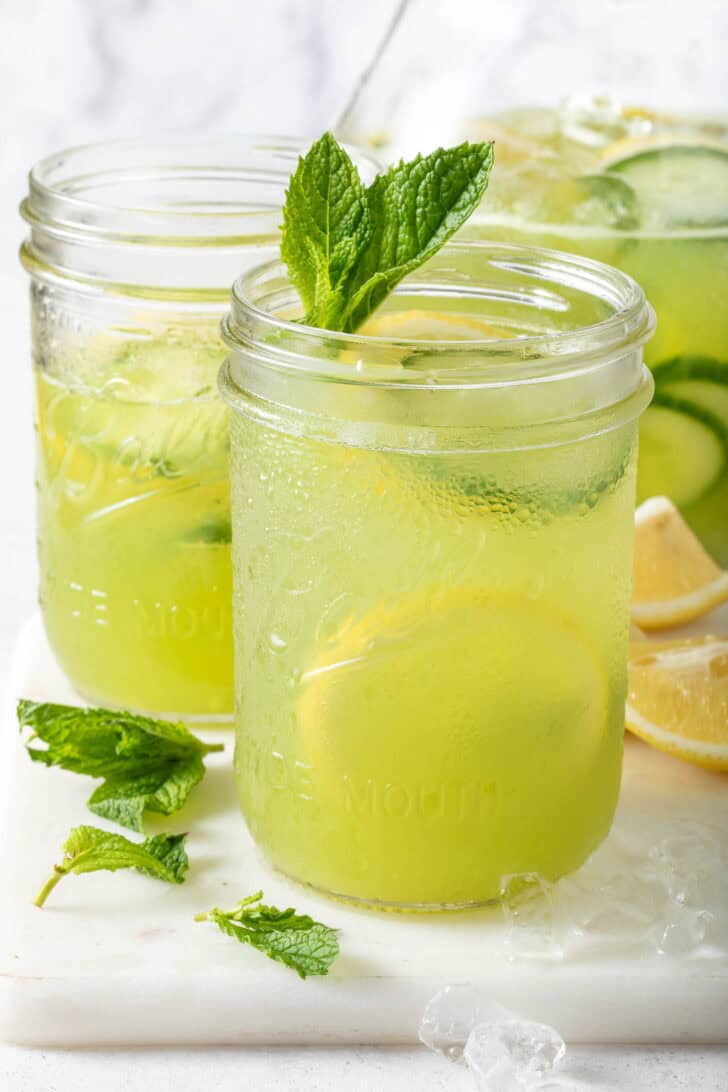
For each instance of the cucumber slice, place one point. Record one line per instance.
(678, 185)
(703, 399)
(682, 452)
(691, 366)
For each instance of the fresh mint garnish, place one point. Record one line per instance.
(346, 246)
(146, 764)
(305, 945)
(165, 468)
(326, 228)
(214, 532)
(88, 849)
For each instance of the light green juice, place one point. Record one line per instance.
(134, 525)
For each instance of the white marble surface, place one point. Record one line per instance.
(389, 1069)
(78, 70)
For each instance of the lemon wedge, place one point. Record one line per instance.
(418, 682)
(674, 580)
(678, 698)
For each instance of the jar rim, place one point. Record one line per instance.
(284, 343)
(59, 184)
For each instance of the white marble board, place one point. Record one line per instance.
(118, 959)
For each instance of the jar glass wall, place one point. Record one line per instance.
(432, 536)
(132, 249)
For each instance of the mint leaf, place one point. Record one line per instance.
(326, 225)
(306, 946)
(168, 850)
(211, 533)
(347, 247)
(164, 467)
(415, 208)
(124, 797)
(146, 764)
(88, 849)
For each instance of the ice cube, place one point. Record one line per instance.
(649, 889)
(599, 120)
(512, 1055)
(693, 864)
(682, 933)
(452, 1014)
(605, 201)
(594, 200)
(527, 903)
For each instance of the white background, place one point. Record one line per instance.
(72, 71)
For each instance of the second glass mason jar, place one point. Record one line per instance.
(432, 543)
(132, 249)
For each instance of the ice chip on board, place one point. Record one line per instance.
(512, 1055)
(450, 1017)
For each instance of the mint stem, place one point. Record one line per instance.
(57, 874)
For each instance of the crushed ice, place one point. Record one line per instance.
(644, 891)
(511, 1055)
(450, 1017)
(504, 1053)
(600, 120)
(652, 888)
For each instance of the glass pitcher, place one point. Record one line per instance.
(609, 144)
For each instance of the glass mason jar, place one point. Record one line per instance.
(132, 250)
(432, 543)
(612, 142)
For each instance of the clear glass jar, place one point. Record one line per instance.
(432, 539)
(611, 141)
(132, 250)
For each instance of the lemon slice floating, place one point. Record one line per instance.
(674, 580)
(433, 325)
(678, 698)
(448, 678)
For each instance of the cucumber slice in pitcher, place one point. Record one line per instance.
(691, 366)
(678, 185)
(682, 452)
(701, 398)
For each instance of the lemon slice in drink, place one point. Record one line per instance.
(678, 698)
(421, 686)
(434, 326)
(674, 580)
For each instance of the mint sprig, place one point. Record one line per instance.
(326, 228)
(88, 849)
(346, 246)
(296, 940)
(147, 765)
